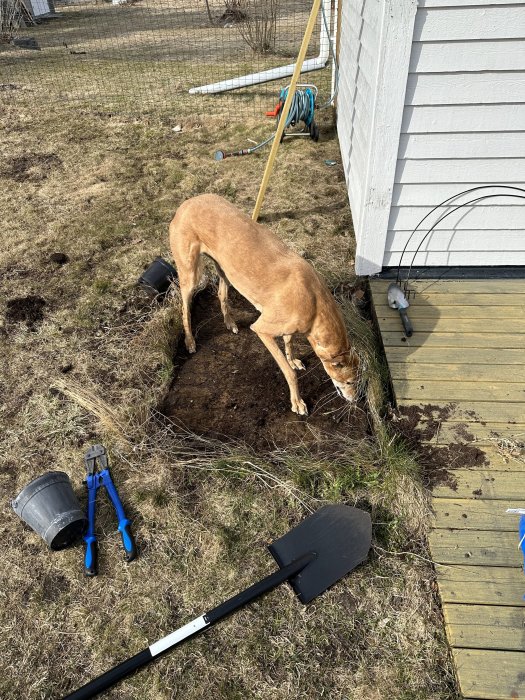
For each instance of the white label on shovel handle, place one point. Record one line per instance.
(178, 636)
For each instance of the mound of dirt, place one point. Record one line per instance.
(232, 389)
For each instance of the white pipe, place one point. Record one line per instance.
(334, 44)
(266, 76)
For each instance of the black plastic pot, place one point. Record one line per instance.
(49, 506)
(158, 277)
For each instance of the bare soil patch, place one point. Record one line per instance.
(31, 166)
(232, 389)
(28, 309)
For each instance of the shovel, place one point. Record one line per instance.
(312, 557)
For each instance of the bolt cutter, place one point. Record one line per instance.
(94, 480)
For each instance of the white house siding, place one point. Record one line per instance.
(40, 7)
(374, 53)
(463, 126)
(358, 59)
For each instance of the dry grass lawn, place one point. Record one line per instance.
(92, 363)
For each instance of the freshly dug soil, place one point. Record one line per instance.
(418, 426)
(28, 309)
(232, 389)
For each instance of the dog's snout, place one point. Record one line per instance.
(345, 391)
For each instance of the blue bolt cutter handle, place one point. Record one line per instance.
(94, 480)
(123, 522)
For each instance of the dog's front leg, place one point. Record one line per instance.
(288, 349)
(298, 405)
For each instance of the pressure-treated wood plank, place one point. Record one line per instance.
(471, 514)
(455, 286)
(487, 585)
(481, 410)
(484, 483)
(436, 391)
(431, 310)
(475, 547)
(441, 324)
(490, 675)
(485, 626)
(479, 457)
(443, 356)
(451, 339)
(508, 439)
(436, 298)
(459, 372)
(430, 391)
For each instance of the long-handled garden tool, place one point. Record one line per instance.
(313, 556)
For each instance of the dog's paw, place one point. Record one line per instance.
(231, 325)
(299, 407)
(296, 364)
(190, 345)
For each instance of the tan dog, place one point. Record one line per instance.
(287, 291)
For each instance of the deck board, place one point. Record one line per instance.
(464, 369)
(488, 585)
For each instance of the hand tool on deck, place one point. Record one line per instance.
(397, 300)
(94, 480)
(312, 557)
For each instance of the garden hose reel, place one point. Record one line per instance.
(301, 111)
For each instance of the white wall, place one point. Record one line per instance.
(40, 7)
(463, 125)
(375, 45)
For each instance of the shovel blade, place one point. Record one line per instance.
(339, 535)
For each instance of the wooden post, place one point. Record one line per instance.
(284, 115)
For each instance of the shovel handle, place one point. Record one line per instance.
(163, 645)
(407, 325)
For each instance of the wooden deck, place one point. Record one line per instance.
(468, 353)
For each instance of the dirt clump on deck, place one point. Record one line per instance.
(231, 388)
(419, 426)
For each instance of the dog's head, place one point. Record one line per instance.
(342, 369)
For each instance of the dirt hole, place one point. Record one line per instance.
(32, 167)
(231, 388)
(28, 309)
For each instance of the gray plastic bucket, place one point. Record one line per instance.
(49, 506)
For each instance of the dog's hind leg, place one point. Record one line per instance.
(298, 405)
(224, 285)
(288, 349)
(189, 277)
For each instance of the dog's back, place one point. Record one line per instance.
(254, 260)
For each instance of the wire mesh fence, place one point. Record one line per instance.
(138, 54)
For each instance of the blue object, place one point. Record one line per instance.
(302, 107)
(522, 539)
(94, 480)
